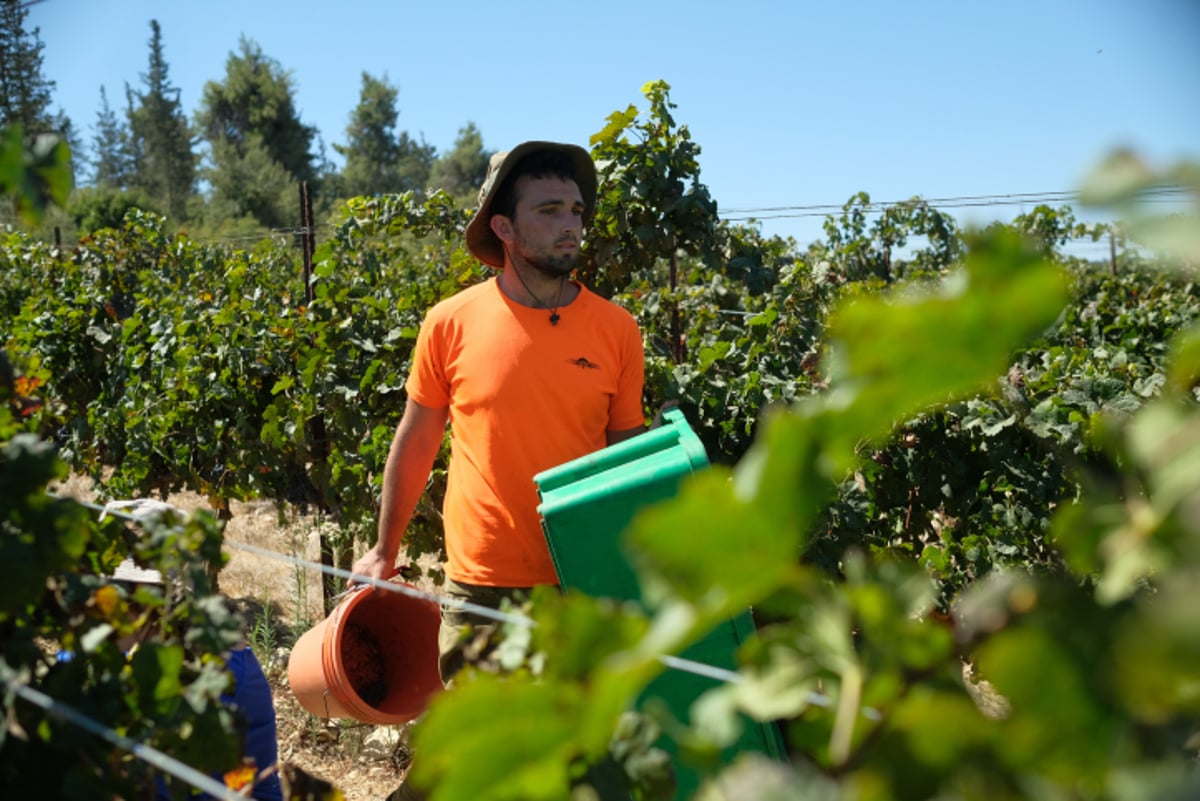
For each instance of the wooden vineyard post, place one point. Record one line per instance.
(319, 435)
(676, 332)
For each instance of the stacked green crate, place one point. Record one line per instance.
(587, 503)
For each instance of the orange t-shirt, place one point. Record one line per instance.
(523, 396)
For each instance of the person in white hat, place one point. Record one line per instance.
(531, 370)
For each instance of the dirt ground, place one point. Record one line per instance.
(279, 601)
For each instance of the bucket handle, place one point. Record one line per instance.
(349, 591)
(356, 587)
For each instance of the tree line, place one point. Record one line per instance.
(232, 168)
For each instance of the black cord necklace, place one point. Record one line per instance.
(554, 317)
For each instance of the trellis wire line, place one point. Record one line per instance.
(391, 586)
(142, 751)
(216, 789)
(113, 508)
(874, 208)
(678, 663)
(742, 217)
(674, 662)
(810, 210)
(700, 669)
(1009, 199)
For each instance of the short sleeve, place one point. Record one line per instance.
(427, 383)
(626, 409)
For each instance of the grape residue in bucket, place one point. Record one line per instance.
(362, 660)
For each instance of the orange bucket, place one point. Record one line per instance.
(374, 659)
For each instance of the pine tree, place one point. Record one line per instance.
(461, 171)
(248, 182)
(259, 148)
(379, 160)
(372, 152)
(255, 101)
(416, 162)
(24, 92)
(161, 142)
(112, 159)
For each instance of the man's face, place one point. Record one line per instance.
(547, 225)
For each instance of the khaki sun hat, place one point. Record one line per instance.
(481, 241)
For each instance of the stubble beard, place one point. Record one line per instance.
(553, 266)
(549, 265)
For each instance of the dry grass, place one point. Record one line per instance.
(280, 601)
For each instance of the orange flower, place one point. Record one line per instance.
(241, 776)
(106, 599)
(27, 385)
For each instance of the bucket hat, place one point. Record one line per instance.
(481, 241)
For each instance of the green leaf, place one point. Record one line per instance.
(35, 174)
(940, 727)
(157, 669)
(517, 737)
(787, 476)
(1121, 176)
(617, 122)
(893, 356)
(782, 690)
(993, 429)
(1157, 652)
(709, 355)
(581, 632)
(710, 548)
(1184, 370)
(1057, 725)
(1164, 438)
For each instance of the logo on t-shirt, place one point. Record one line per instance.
(583, 363)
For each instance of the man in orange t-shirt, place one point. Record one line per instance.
(530, 368)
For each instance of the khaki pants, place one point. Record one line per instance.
(461, 628)
(458, 630)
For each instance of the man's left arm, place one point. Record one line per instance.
(627, 405)
(614, 437)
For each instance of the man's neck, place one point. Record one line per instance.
(530, 287)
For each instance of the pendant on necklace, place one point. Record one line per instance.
(554, 318)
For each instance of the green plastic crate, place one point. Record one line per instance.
(588, 502)
(586, 505)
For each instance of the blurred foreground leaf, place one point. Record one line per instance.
(34, 174)
(1127, 184)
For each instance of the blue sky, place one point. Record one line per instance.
(793, 103)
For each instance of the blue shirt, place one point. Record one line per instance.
(251, 697)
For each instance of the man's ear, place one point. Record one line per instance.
(502, 227)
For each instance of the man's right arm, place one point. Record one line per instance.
(410, 458)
